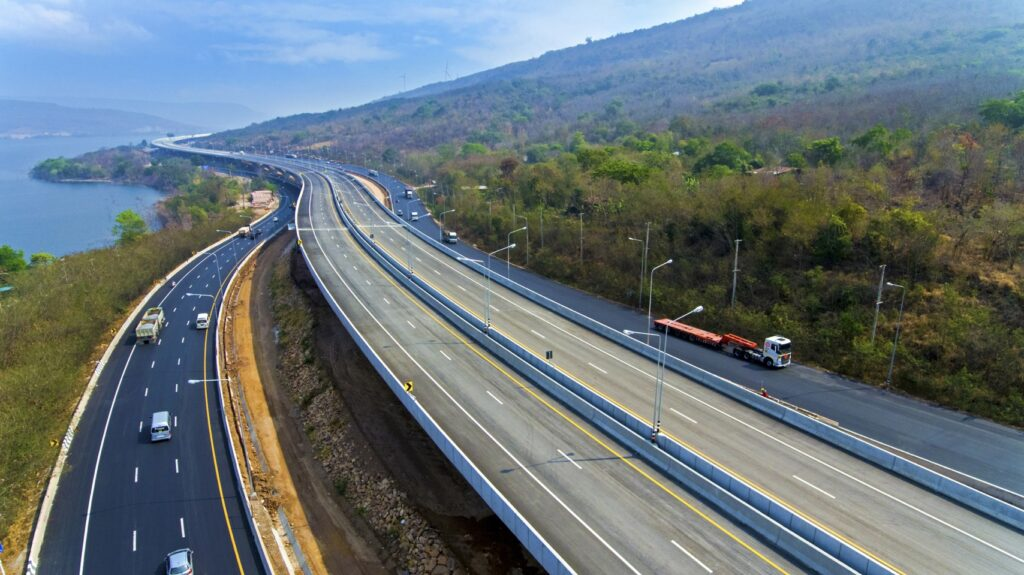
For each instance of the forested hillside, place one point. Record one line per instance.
(818, 66)
(830, 137)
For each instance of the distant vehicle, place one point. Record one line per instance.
(245, 232)
(451, 238)
(777, 350)
(179, 562)
(292, 156)
(203, 321)
(275, 218)
(160, 427)
(408, 192)
(373, 174)
(400, 212)
(414, 216)
(148, 328)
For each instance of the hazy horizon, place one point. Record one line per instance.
(320, 55)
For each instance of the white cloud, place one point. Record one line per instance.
(326, 48)
(62, 24)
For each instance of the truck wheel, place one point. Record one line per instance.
(736, 353)
(768, 363)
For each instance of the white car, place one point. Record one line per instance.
(414, 216)
(203, 321)
(180, 562)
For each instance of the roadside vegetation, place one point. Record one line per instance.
(60, 315)
(817, 214)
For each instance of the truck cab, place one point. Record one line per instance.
(451, 238)
(777, 351)
(408, 192)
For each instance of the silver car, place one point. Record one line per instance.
(179, 562)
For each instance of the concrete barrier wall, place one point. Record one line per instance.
(524, 531)
(938, 483)
(728, 494)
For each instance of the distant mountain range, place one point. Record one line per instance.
(879, 60)
(22, 119)
(210, 116)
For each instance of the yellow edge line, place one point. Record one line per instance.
(209, 428)
(444, 325)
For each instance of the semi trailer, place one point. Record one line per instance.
(776, 351)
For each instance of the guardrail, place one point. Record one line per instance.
(820, 428)
(773, 521)
(517, 524)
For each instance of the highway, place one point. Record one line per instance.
(123, 502)
(988, 455)
(601, 508)
(905, 527)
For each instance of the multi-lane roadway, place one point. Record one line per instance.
(123, 502)
(903, 526)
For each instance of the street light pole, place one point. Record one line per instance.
(896, 338)
(508, 255)
(581, 239)
(878, 303)
(660, 389)
(650, 297)
(735, 272)
(487, 312)
(527, 226)
(444, 225)
(640, 293)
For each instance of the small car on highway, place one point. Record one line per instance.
(179, 562)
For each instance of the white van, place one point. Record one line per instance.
(203, 321)
(451, 238)
(414, 216)
(160, 427)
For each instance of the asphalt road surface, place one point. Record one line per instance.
(123, 502)
(602, 509)
(901, 525)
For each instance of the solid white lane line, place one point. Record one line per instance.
(179, 360)
(418, 259)
(569, 459)
(176, 469)
(176, 386)
(495, 398)
(175, 421)
(386, 300)
(683, 415)
(597, 368)
(410, 324)
(145, 393)
(814, 487)
(182, 340)
(134, 547)
(136, 474)
(153, 364)
(99, 455)
(690, 555)
(355, 268)
(495, 310)
(445, 355)
(181, 521)
(368, 283)
(540, 335)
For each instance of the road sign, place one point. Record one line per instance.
(408, 386)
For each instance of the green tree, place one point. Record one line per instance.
(796, 160)
(11, 260)
(834, 241)
(827, 151)
(473, 149)
(622, 170)
(129, 227)
(726, 154)
(1009, 112)
(41, 258)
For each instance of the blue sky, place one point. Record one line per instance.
(288, 57)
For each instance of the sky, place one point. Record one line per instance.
(287, 57)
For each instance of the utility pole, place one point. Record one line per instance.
(735, 271)
(581, 237)
(878, 303)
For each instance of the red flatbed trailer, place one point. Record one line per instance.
(776, 352)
